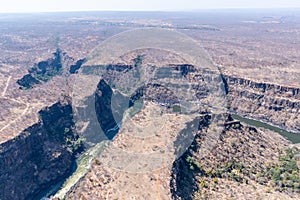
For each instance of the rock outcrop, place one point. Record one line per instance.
(40, 157)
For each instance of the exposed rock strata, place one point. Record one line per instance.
(276, 104)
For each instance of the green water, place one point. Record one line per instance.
(293, 137)
(84, 163)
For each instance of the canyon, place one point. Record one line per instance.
(149, 125)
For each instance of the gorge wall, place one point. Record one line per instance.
(271, 103)
(41, 156)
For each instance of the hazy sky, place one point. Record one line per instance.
(135, 5)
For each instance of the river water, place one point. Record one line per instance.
(291, 136)
(85, 160)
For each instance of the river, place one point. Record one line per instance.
(291, 136)
(85, 160)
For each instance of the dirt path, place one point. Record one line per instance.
(18, 101)
(6, 86)
(22, 114)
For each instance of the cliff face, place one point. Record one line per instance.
(42, 71)
(109, 113)
(244, 163)
(237, 157)
(40, 157)
(45, 70)
(74, 68)
(263, 101)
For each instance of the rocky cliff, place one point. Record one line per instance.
(244, 163)
(41, 156)
(276, 104)
(59, 64)
(240, 156)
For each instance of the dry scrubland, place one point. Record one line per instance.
(246, 163)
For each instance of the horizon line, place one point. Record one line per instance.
(187, 10)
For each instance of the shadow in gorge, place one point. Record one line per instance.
(183, 183)
(41, 156)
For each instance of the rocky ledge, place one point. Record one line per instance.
(271, 103)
